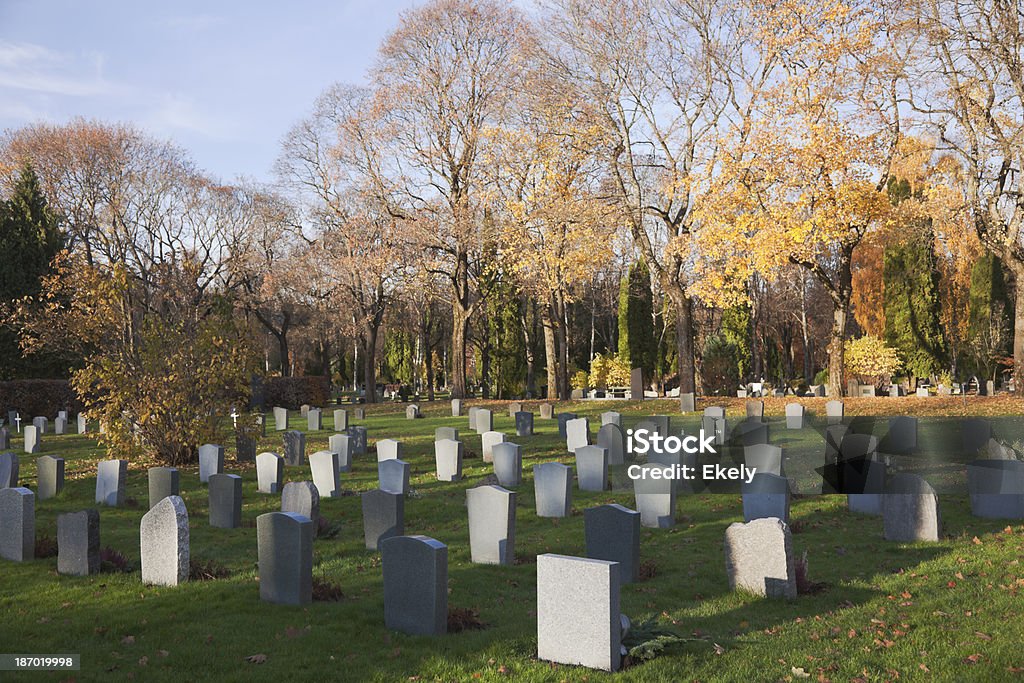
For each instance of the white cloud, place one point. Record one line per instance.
(31, 67)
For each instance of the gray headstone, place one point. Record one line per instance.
(611, 417)
(514, 408)
(326, 478)
(415, 572)
(552, 485)
(577, 434)
(636, 384)
(687, 402)
(872, 476)
(340, 420)
(446, 433)
(5, 438)
(750, 432)
(225, 501)
(280, 419)
(393, 476)
(974, 434)
(383, 516)
(284, 543)
(524, 423)
(996, 488)
(302, 498)
(448, 459)
(563, 419)
(342, 445)
(294, 448)
(990, 388)
(487, 441)
(759, 558)
(922, 392)
(304, 409)
(764, 459)
(314, 420)
(472, 418)
(78, 543)
(714, 411)
(360, 413)
(547, 411)
(613, 534)
(856, 446)
(9, 466)
(714, 425)
(33, 439)
(245, 447)
(578, 617)
(834, 412)
(508, 464)
(17, 524)
(611, 438)
(50, 472)
(60, 425)
(359, 436)
(834, 435)
(902, 436)
(40, 423)
(412, 412)
(794, 416)
(163, 482)
(111, 477)
(592, 468)
(211, 461)
(484, 421)
(492, 524)
(767, 495)
(456, 407)
(83, 424)
(269, 472)
(655, 497)
(910, 510)
(755, 410)
(164, 542)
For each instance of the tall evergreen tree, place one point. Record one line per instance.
(911, 297)
(30, 238)
(989, 316)
(637, 340)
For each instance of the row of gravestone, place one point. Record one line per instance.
(314, 418)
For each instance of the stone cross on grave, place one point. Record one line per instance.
(234, 417)
(18, 420)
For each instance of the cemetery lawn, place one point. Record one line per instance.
(952, 610)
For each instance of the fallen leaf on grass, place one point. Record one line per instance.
(256, 659)
(983, 636)
(143, 660)
(972, 659)
(128, 640)
(798, 672)
(923, 667)
(976, 541)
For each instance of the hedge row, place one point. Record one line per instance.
(293, 392)
(38, 397)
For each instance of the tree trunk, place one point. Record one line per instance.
(1018, 326)
(528, 325)
(840, 314)
(282, 348)
(550, 350)
(370, 363)
(561, 334)
(682, 307)
(460, 324)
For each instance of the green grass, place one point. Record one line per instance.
(943, 611)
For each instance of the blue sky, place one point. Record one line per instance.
(225, 79)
